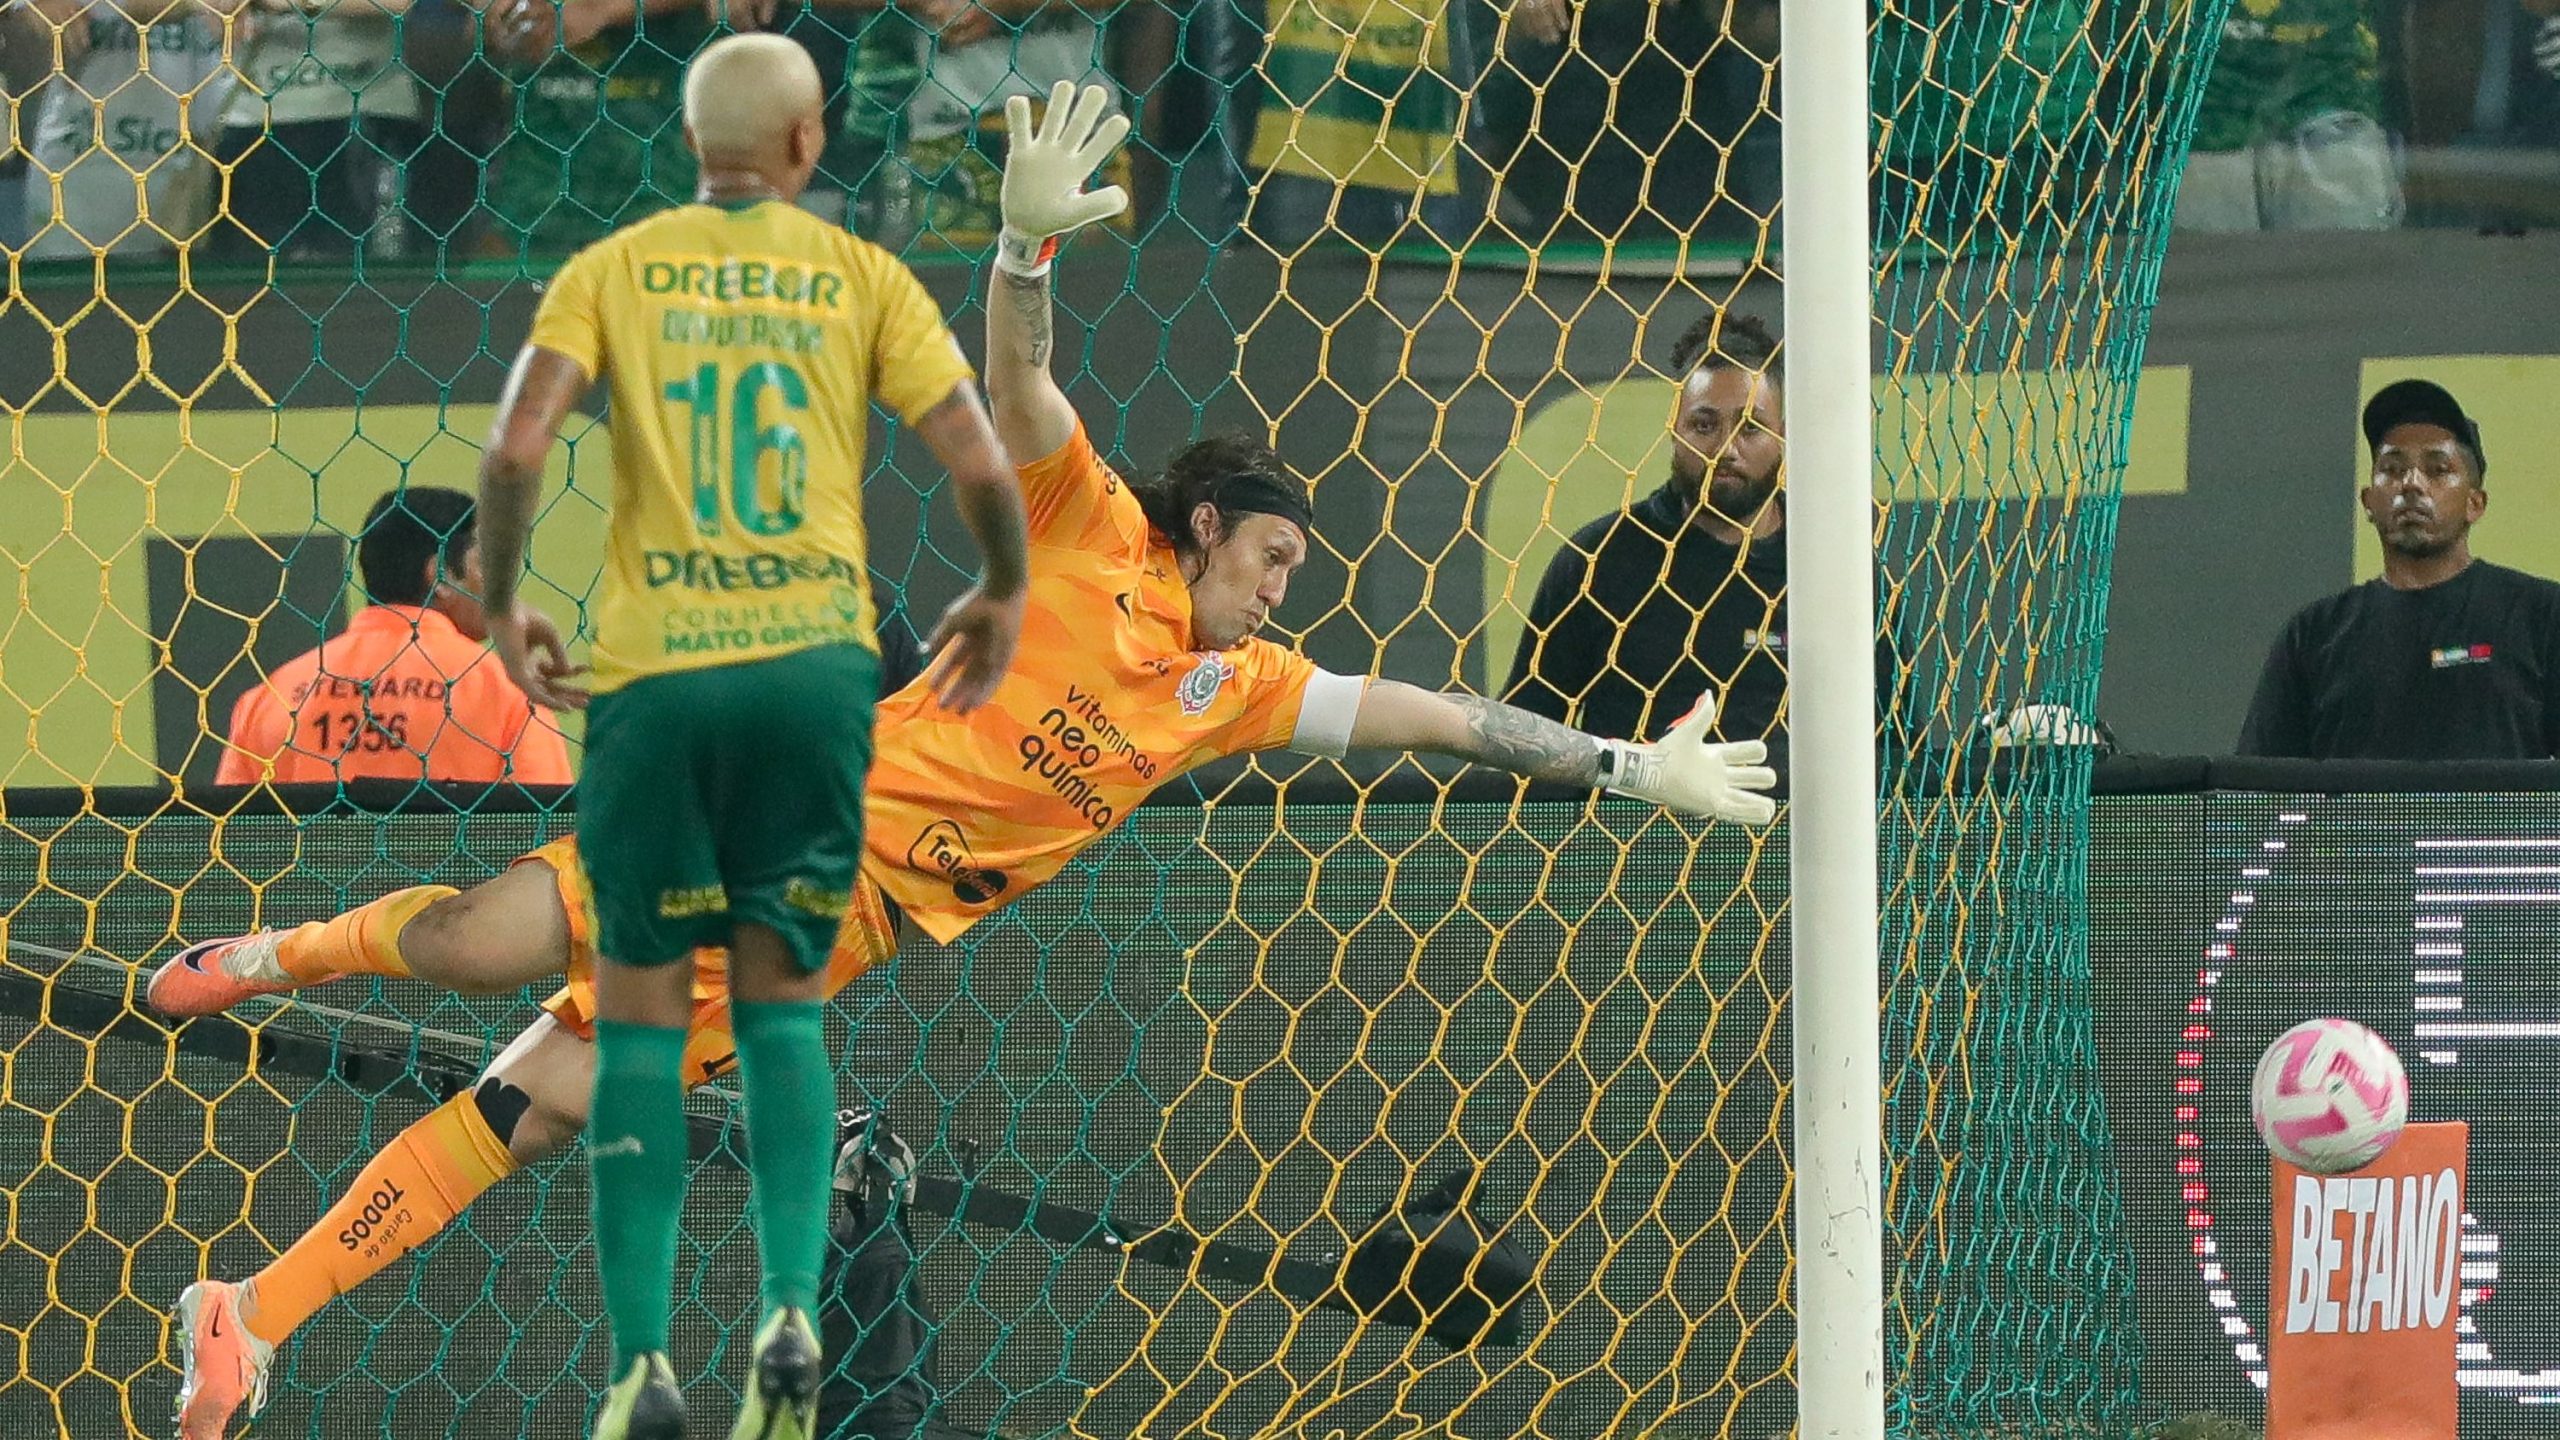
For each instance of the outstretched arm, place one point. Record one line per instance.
(1397, 716)
(1044, 201)
(1684, 771)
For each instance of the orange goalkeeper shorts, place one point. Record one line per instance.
(868, 936)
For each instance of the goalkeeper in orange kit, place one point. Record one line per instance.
(1139, 662)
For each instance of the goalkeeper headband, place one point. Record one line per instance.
(1259, 494)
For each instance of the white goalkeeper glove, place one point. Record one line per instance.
(1684, 771)
(2546, 47)
(1045, 170)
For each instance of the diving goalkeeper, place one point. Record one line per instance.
(1138, 663)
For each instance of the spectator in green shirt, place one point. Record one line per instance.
(1989, 114)
(1357, 135)
(924, 132)
(597, 137)
(2288, 136)
(315, 138)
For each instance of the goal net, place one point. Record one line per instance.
(272, 264)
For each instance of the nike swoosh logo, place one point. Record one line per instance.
(215, 1330)
(1123, 598)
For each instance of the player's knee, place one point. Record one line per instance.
(531, 1127)
(438, 946)
(492, 939)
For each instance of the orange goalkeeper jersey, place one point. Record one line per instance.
(1106, 701)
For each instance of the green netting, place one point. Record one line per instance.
(1058, 1051)
(2029, 157)
(1437, 261)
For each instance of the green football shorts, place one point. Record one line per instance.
(727, 795)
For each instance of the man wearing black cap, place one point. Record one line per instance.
(2443, 658)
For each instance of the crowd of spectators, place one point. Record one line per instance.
(474, 129)
(318, 129)
(411, 129)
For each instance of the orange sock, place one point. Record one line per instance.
(413, 1189)
(363, 941)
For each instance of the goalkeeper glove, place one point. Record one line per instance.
(1045, 170)
(1684, 771)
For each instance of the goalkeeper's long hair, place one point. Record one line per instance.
(1195, 475)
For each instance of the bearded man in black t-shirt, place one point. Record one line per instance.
(1684, 591)
(2446, 657)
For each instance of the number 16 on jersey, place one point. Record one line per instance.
(743, 442)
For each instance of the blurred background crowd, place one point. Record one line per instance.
(410, 130)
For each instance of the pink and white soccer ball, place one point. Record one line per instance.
(2329, 1096)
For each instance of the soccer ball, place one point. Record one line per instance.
(2329, 1096)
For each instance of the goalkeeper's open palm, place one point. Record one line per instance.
(1686, 771)
(1045, 168)
(972, 648)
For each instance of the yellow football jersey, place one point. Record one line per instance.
(741, 348)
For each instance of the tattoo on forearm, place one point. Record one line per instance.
(1029, 298)
(502, 528)
(995, 517)
(1512, 739)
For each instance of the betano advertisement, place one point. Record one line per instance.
(2218, 922)
(2367, 1267)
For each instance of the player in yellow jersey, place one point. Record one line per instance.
(741, 342)
(1139, 663)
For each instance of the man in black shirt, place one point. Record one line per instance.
(1682, 591)
(2443, 658)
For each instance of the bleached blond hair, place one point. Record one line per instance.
(744, 92)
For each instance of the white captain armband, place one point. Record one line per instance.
(1326, 713)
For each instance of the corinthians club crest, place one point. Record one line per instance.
(1200, 688)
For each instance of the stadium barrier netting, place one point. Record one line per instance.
(274, 263)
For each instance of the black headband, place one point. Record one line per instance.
(1249, 493)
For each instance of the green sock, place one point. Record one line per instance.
(636, 1151)
(791, 1149)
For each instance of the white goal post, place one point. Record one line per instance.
(1832, 841)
